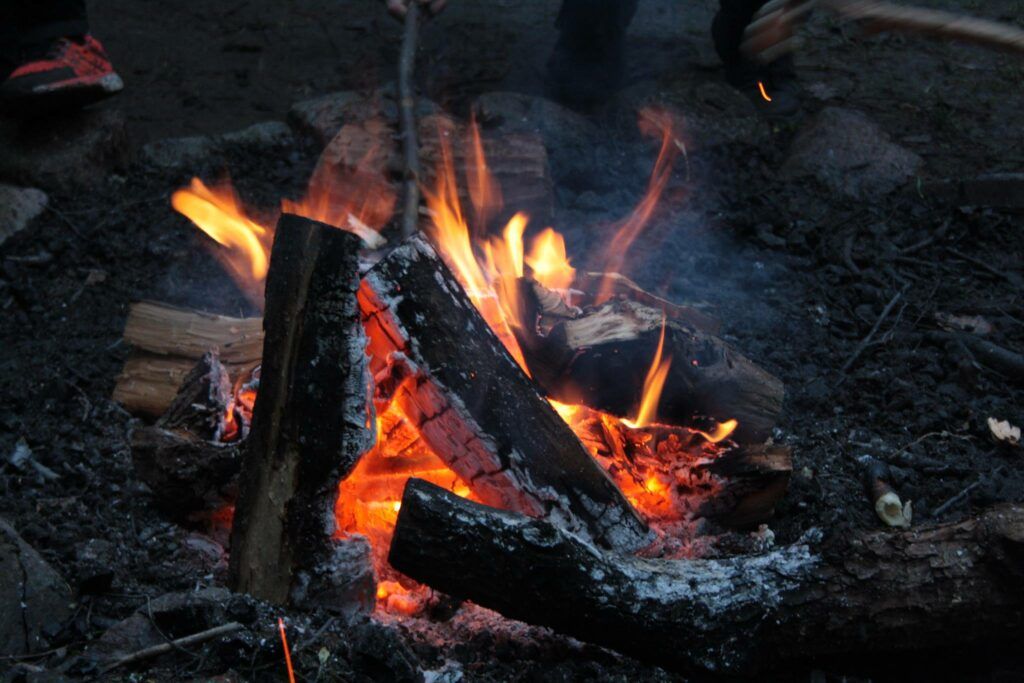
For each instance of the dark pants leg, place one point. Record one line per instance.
(590, 26)
(587, 64)
(727, 29)
(28, 27)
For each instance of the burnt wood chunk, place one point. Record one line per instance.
(905, 592)
(476, 408)
(601, 358)
(313, 415)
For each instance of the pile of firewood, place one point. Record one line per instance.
(554, 541)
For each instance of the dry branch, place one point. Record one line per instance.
(874, 592)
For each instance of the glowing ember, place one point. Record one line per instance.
(764, 93)
(287, 651)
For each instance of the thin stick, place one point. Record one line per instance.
(410, 143)
(164, 648)
(960, 497)
(871, 335)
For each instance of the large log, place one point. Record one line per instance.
(600, 357)
(313, 415)
(874, 592)
(476, 408)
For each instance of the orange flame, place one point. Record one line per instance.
(451, 233)
(764, 93)
(484, 190)
(549, 262)
(722, 431)
(630, 229)
(654, 382)
(219, 213)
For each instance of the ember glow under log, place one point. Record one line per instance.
(876, 592)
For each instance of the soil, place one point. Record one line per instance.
(799, 275)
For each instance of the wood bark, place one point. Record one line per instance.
(476, 408)
(601, 358)
(313, 415)
(873, 592)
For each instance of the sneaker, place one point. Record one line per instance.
(773, 88)
(73, 73)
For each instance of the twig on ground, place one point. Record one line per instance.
(960, 497)
(164, 648)
(407, 105)
(1012, 278)
(866, 342)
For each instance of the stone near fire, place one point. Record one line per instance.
(321, 118)
(35, 601)
(173, 154)
(18, 206)
(848, 153)
(78, 149)
(263, 134)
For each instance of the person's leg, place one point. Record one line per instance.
(773, 87)
(50, 60)
(589, 58)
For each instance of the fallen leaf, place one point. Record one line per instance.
(974, 324)
(1004, 432)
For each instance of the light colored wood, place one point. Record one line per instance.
(171, 331)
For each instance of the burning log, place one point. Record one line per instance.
(181, 458)
(476, 408)
(312, 417)
(600, 356)
(877, 591)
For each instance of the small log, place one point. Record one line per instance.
(475, 407)
(601, 359)
(313, 415)
(589, 284)
(874, 592)
(184, 333)
(753, 479)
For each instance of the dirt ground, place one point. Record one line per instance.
(798, 273)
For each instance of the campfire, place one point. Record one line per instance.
(493, 369)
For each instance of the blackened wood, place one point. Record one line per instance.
(312, 419)
(186, 475)
(476, 408)
(601, 359)
(753, 479)
(202, 402)
(875, 592)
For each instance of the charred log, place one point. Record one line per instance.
(475, 407)
(601, 357)
(875, 592)
(186, 475)
(312, 416)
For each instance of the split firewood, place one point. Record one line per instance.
(168, 341)
(313, 416)
(601, 357)
(474, 406)
(884, 592)
(589, 284)
(772, 31)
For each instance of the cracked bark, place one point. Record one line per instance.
(873, 592)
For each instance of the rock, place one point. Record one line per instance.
(35, 601)
(322, 117)
(849, 153)
(18, 206)
(174, 614)
(94, 565)
(175, 154)
(264, 134)
(64, 151)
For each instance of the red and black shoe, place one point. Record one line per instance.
(73, 73)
